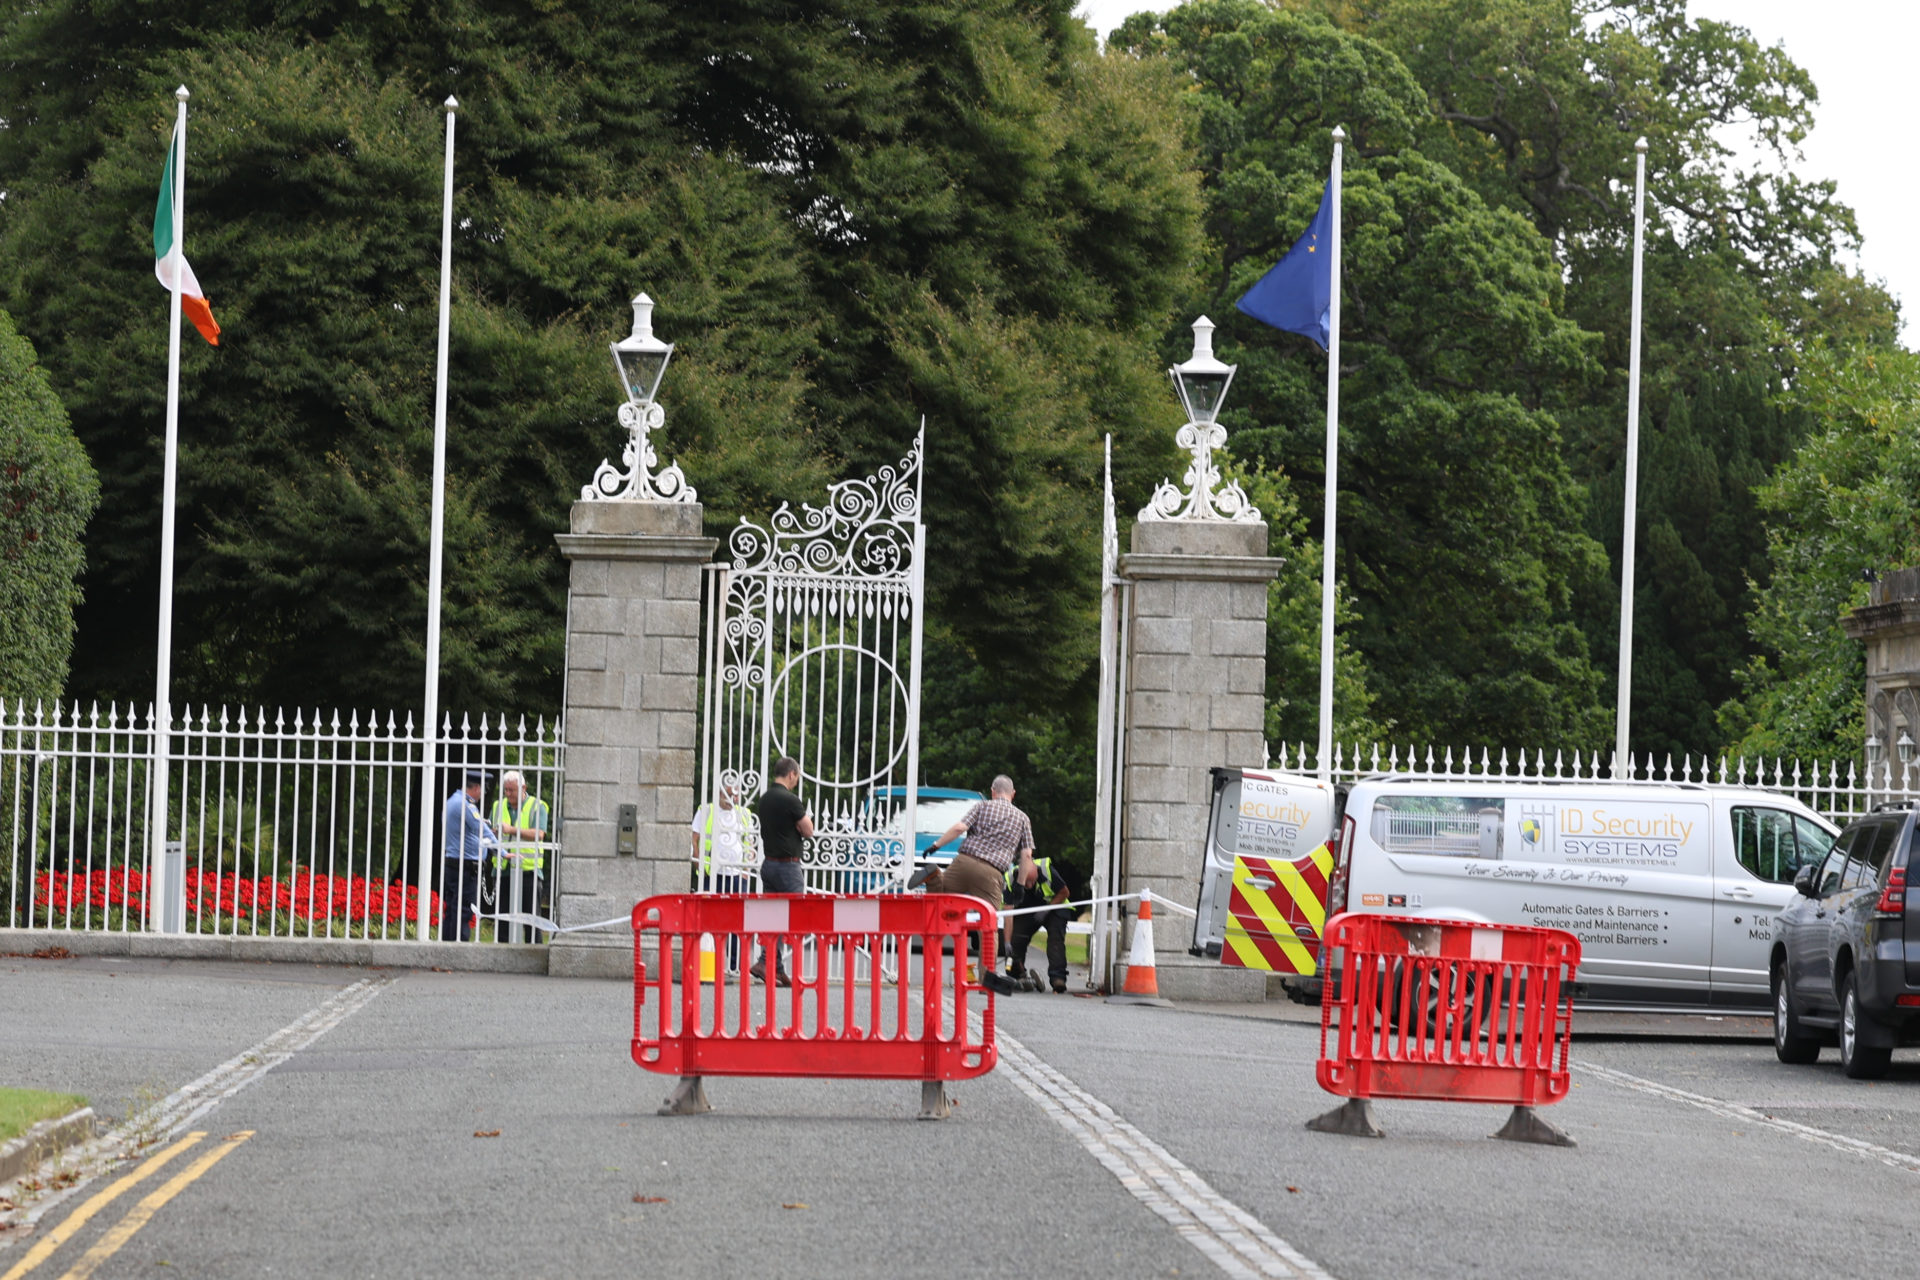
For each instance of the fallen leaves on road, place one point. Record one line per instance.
(1295, 1190)
(486, 1133)
(796, 1205)
(650, 1200)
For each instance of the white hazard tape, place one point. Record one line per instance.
(1158, 902)
(549, 926)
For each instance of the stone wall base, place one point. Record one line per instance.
(566, 959)
(1184, 977)
(466, 957)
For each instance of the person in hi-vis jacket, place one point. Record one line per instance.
(1049, 889)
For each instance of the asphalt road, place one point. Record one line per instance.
(1697, 1155)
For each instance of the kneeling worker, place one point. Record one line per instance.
(996, 842)
(1050, 888)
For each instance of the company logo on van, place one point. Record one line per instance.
(1536, 827)
(1266, 809)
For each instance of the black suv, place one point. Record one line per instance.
(1846, 955)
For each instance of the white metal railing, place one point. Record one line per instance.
(1841, 790)
(280, 824)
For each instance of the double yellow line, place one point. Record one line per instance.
(122, 1231)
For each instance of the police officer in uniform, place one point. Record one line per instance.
(465, 834)
(1050, 888)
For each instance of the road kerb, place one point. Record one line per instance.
(44, 1142)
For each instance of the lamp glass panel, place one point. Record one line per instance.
(1203, 393)
(640, 373)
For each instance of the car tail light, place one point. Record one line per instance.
(1907, 1002)
(1893, 898)
(1342, 850)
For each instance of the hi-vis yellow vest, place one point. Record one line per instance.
(747, 824)
(532, 856)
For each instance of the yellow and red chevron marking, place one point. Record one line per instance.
(1276, 912)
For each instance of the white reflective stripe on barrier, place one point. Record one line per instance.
(765, 915)
(856, 915)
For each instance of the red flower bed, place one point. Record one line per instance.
(304, 896)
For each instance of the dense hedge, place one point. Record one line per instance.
(47, 491)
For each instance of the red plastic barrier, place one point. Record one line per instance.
(846, 1015)
(1447, 1010)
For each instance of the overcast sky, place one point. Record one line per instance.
(1861, 54)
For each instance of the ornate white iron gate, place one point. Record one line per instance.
(813, 651)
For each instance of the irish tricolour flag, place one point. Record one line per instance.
(168, 257)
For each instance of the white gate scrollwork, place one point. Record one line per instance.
(813, 651)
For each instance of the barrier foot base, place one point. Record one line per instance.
(934, 1102)
(689, 1098)
(1525, 1125)
(1354, 1117)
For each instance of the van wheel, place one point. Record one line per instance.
(1859, 1061)
(1416, 1004)
(1791, 1043)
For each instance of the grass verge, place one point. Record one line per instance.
(21, 1109)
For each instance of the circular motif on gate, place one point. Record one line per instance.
(852, 756)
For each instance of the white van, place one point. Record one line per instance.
(1674, 890)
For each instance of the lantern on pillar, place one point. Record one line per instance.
(640, 362)
(640, 359)
(1201, 382)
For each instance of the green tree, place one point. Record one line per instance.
(47, 492)
(1536, 104)
(1460, 543)
(1702, 551)
(1845, 507)
(852, 215)
(1293, 632)
(312, 187)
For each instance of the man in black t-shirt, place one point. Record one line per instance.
(783, 825)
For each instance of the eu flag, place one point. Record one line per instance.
(1297, 293)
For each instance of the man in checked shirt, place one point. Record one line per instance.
(996, 833)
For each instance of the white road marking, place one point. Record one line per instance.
(1747, 1115)
(173, 1113)
(1233, 1239)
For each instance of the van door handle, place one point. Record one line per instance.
(1261, 883)
(1738, 891)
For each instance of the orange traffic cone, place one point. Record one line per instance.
(706, 959)
(1142, 984)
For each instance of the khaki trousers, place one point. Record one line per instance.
(968, 875)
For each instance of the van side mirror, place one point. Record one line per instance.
(1803, 879)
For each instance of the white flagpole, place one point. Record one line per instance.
(165, 885)
(1623, 707)
(1333, 475)
(429, 797)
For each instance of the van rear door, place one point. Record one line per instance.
(1263, 884)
